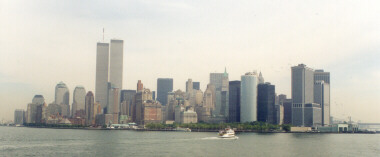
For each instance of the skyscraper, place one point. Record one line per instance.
(189, 86)
(62, 94)
(102, 62)
(261, 78)
(234, 101)
(126, 99)
(78, 101)
(164, 86)
(321, 75)
(140, 86)
(113, 106)
(322, 97)
(266, 103)
(89, 105)
(221, 82)
(302, 92)
(196, 85)
(38, 99)
(248, 97)
(19, 117)
(116, 63)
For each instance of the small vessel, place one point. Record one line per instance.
(183, 129)
(227, 133)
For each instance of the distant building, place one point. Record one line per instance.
(65, 110)
(126, 99)
(113, 99)
(54, 110)
(151, 112)
(321, 75)
(164, 86)
(116, 63)
(261, 78)
(313, 115)
(234, 101)
(279, 120)
(153, 95)
(322, 97)
(302, 92)
(287, 104)
(140, 86)
(221, 82)
(38, 99)
(34, 113)
(322, 93)
(89, 105)
(19, 117)
(196, 85)
(137, 109)
(78, 102)
(62, 96)
(102, 67)
(185, 116)
(248, 97)
(266, 103)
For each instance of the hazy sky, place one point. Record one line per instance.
(45, 42)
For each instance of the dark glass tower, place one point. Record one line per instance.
(164, 85)
(266, 103)
(234, 101)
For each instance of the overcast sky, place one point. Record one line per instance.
(45, 42)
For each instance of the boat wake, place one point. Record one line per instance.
(218, 138)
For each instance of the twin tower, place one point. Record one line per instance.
(109, 69)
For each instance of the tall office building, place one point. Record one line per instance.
(78, 101)
(322, 97)
(234, 101)
(38, 99)
(116, 63)
(189, 86)
(322, 93)
(287, 103)
(266, 103)
(19, 117)
(113, 106)
(221, 82)
(261, 78)
(321, 75)
(164, 86)
(126, 99)
(248, 97)
(62, 94)
(101, 84)
(196, 85)
(140, 86)
(302, 92)
(89, 105)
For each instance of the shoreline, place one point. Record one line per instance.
(197, 130)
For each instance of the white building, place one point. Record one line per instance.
(248, 98)
(101, 82)
(78, 99)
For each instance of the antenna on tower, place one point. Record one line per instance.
(103, 34)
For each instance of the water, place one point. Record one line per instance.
(20, 141)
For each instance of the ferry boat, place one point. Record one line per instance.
(227, 133)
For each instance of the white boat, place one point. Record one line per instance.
(227, 133)
(183, 129)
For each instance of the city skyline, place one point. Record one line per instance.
(351, 62)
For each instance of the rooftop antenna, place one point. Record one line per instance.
(103, 34)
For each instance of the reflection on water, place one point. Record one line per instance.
(72, 142)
